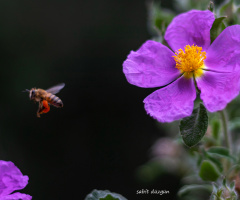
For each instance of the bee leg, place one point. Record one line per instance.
(40, 107)
(43, 108)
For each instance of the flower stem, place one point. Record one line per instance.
(227, 135)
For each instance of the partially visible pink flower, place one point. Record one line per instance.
(192, 60)
(12, 179)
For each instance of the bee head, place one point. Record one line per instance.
(32, 93)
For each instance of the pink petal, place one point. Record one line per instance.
(224, 52)
(218, 89)
(16, 196)
(190, 28)
(172, 102)
(11, 178)
(150, 66)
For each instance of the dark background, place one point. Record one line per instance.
(102, 134)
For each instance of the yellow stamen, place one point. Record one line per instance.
(190, 62)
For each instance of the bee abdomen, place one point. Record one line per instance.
(54, 100)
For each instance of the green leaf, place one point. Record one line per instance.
(193, 128)
(216, 28)
(209, 171)
(104, 195)
(220, 152)
(216, 162)
(185, 190)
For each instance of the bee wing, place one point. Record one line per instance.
(55, 89)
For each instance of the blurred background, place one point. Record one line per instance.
(102, 135)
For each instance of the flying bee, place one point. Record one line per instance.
(46, 98)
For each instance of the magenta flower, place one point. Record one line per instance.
(12, 179)
(215, 68)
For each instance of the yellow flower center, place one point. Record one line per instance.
(190, 62)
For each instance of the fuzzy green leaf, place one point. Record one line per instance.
(193, 128)
(216, 161)
(220, 152)
(185, 190)
(209, 171)
(104, 195)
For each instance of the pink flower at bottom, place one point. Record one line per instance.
(12, 179)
